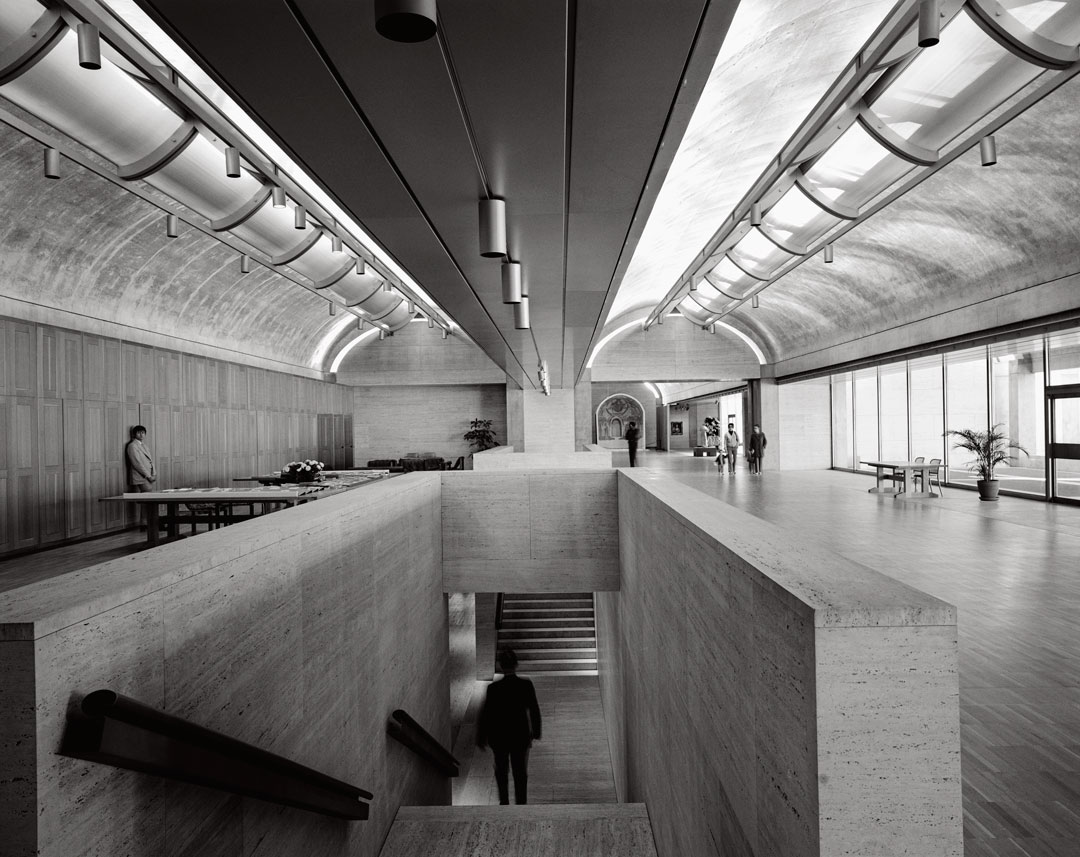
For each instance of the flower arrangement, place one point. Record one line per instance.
(302, 471)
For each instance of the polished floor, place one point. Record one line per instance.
(1013, 570)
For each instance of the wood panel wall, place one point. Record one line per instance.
(68, 401)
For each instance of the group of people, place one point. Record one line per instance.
(755, 449)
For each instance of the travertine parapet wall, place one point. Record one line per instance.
(299, 632)
(770, 699)
(503, 458)
(534, 531)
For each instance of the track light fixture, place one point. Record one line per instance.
(335, 244)
(52, 163)
(430, 323)
(929, 23)
(712, 328)
(412, 309)
(828, 254)
(172, 225)
(693, 284)
(359, 324)
(754, 302)
(755, 214)
(89, 46)
(660, 317)
(300, 217)
(387, 286)
(511, 282)
(277, 196)
(361, 267)
(988, 150)
(492, 228)
(405, 20)
(245, 263)
(232, 162)
(333, 308)
(382, 334)
(521, 314)
(445, 333)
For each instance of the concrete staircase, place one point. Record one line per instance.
(552, 633)
(598, 830)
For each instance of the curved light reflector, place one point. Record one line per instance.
(367, 334)
(599, 345)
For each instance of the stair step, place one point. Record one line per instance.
(550, 613)
(544, 596)
(522, 624)
(515, 634)
(532, 643)
(542, 604)
(549, 665)
(545, 654)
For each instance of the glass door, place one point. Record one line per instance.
(1063, 454)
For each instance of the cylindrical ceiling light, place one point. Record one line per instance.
(333, 308)
(359, 324)
(277, 195)
(988, 150)
(335, 244)
(492, 228)
(929, 23)
(754, 302)
(382, 334)
(444, 333)
(712, 328)
(172, 225)
(693, 284)
(405, 20)
(521, 314)
(511, 282)
(387, 286)
(361, 267)
(412, 309)
(245, 263)
(660, 318)
(232, 162)
(300, 217)
(755, 214)
(430, 323)
(828, 254)
(52, 163)
(89, 46)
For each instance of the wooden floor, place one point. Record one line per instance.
(1013, 570)
(570, 764)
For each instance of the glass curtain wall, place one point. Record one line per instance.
(902, 410)
(866, 417)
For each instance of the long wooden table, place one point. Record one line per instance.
(909, 469)
(225, 501)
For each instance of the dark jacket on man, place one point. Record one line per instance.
(510, 718)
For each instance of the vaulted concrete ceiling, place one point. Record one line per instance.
(569, 102)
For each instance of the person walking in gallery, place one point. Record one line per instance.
(755, 448)
(632, 437)
(731, 446)
(141, 472)
(509, 722)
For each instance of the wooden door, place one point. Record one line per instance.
(23, 473)
(74, 486)
(94, 450)
(51, 471)
(325, 434)
(7, 457)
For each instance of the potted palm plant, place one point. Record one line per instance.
(481, 436)
(990, 449)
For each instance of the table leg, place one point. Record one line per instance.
(152, 521)
(879, 485)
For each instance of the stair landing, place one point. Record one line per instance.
(598, 830)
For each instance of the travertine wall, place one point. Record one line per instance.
(549, 421)
(504, 458)
(392, 421)
(766, 699)
(532, 531)
(299, 632)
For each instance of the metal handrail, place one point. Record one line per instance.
(123, 732)
(406, 731)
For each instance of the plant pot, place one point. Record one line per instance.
(988, 489)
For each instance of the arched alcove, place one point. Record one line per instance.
(613, 417)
